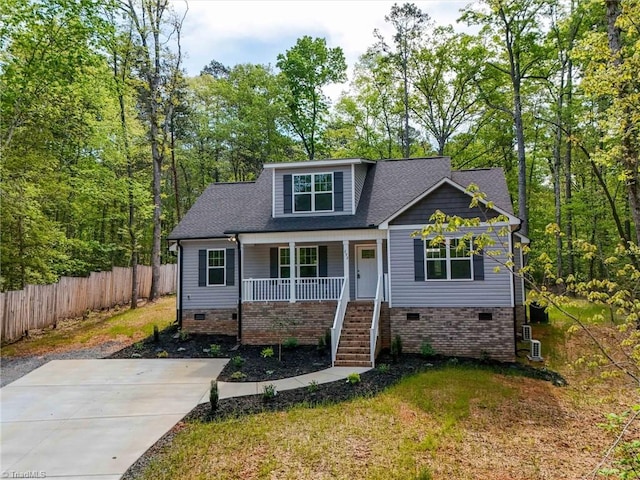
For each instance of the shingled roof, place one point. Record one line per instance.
(227, 208)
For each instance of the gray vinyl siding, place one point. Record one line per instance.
(517, 281)
(279, 193)
(360, 177)
(196, 297)
(493, 291)
(257, 261)
(447, 199)
(352, 263)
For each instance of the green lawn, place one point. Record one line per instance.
(125, 326)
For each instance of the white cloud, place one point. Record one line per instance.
(249, 31)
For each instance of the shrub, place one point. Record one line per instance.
(396, 348)
(237, 361)
(266, 352)
(426, 350)
(184, 336)
(290, 343)
(213, 396)
(215, 350)
(327, 337)
(269, 391)
(162, 354)
(138, 346)
(322, 344)
(313, 386)
(353, 378)
(238, 375)
(384, 368)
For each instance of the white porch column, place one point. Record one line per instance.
(379, 257)
(345, 267)
(292, 269)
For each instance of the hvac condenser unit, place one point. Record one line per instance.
(526, 333)
(536, 351)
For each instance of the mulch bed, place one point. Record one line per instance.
(254, 367)
(297, 361)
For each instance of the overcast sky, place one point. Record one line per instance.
(250, 31)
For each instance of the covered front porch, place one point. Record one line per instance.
(308, 279)
(320, 268)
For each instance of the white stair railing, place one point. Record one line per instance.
(375, 321)
(338, 320)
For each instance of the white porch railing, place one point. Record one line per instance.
(338, 320)
(279, 289)
(375, 321)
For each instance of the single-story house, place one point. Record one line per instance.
(327, 244)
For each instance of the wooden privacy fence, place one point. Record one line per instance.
(40, 306)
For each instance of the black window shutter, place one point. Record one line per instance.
(338, 191)
(418, 259)
(202, 268)
(478, 266)
(231, 266)
(288, 193)
(322, 261)
(273, 262)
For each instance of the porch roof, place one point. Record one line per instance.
(231, 208)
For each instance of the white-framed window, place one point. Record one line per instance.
(216, 267)
(306, 262)
(313, 192)
(451, 260)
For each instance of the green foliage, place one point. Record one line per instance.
(426, 349)
(306, 68)
(267, 352)
(238, 375)
(163, 354)
(290, 343)
(237, 361)
(353, 378)
(313, 386)
(269, 392)
(384, 368)
(213, 396)
(396, 348)
(215, 350)
(184, 336)
(322, 344)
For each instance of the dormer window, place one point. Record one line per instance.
(313, 192)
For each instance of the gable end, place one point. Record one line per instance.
(446, 198)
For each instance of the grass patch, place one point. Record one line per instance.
(125, 325)
(396, 435)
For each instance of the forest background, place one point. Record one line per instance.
(106, 141)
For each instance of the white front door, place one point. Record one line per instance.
(366, 271)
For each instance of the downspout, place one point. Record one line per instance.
(513, 293)
(239, 288)
(180, 265)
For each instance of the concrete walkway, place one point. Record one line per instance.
(239, 389)
(76, 419)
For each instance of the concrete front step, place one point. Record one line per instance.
(352, 363)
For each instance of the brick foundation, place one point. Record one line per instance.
(521, 319)
(216, 321)
(312, 320)
(457, 331)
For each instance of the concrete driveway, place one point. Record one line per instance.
(73, 419)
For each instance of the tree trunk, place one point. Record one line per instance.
(522, 165)
(630, 150)
(174, 172)
(568, 183)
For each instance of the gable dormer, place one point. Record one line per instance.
(317, 188)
